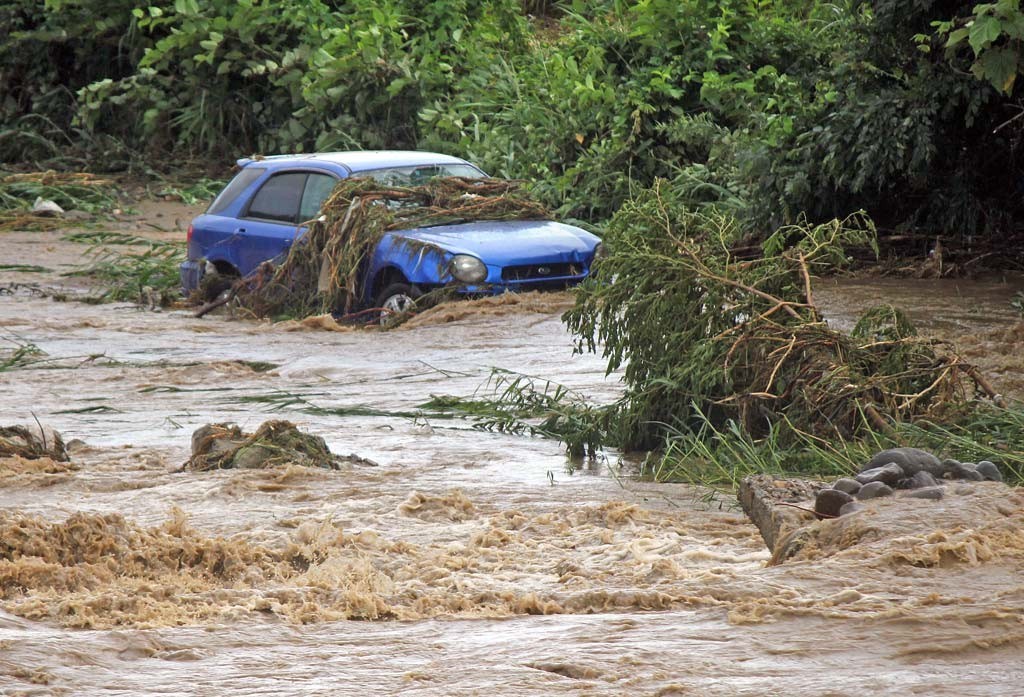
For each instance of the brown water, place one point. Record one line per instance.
(464, 562)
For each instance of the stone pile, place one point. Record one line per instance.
(906, 472)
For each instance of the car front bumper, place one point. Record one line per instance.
(520, 286)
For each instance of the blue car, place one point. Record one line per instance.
(261, 212)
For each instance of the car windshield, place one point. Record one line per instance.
(419, 174)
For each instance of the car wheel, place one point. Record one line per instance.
(213, 285)
(395, 300)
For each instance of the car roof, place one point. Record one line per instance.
(357, 160)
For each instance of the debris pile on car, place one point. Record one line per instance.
(226, 446)
(322, 270)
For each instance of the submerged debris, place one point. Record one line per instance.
(323, 271)
(226, 446)
(32, 442)
(46, 208)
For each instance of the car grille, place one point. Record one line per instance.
(540, 272)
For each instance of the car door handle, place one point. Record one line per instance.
(240, 230)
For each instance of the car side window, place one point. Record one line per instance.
(239, 184)
(278, 199)
(318, 188)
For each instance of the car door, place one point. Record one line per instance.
(269, 223)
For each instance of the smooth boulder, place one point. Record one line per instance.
(962, 470)
(989, 471)
(933, 493)
(890, 474)
(828, 502)
(851, 507)
(874, 490)
(910, 460)
(850, 486)
(920, 480)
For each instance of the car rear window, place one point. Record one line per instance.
(318, 188)
(279, 198)
(237, 185)
(419, 174)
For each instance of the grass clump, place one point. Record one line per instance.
(32, 443)
(525, 405)
(147, 272)
(722, 456)
(200, 190)
(71, 191)
(21, 355)
(324, 271)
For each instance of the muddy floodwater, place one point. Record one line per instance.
(462, 562)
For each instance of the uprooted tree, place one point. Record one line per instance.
(707, 330)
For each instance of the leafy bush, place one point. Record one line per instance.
(50, 50)
(704, 334)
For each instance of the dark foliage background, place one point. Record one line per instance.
(767, 108)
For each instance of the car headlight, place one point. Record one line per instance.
(467, 269)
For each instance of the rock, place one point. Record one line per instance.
(828, 502)
(275, 443)
(760, 495)
(851, 507)
(251, 457)
(890, 474)
(850, 486)
(46, 208)
(930, 492)
(32, 442)
(216, 439)
(962, 470)
(918, 481)
(874, 490)
(911, 460)
(989, 471)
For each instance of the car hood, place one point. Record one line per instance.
(509, 241)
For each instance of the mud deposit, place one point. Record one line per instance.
(463, 562)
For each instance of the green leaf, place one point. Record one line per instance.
(984, 31)
(957, 37)
(999, 67)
